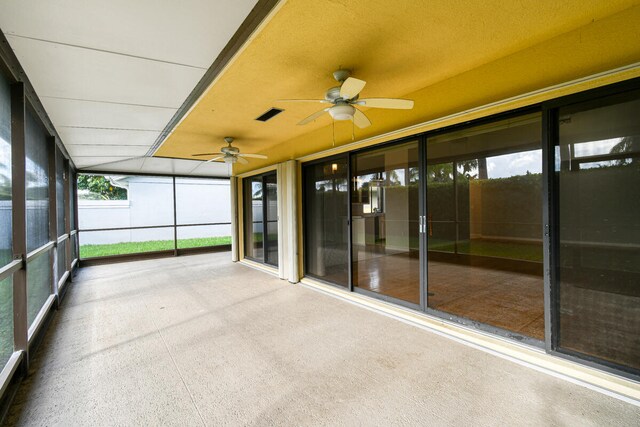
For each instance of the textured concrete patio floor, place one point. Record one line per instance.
(199, 340)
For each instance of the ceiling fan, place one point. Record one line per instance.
(230, 154)
(345, 98)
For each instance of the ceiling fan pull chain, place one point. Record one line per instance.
(333, 131)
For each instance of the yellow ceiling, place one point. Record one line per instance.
(446, 55)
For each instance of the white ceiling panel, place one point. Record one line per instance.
(163, 165)
(68, 72)
(112, 74)
(91, 114)
(92, 161)
(106, 150)
(107, 137)
(191, 32)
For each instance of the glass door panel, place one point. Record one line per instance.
(253, 215)
(385, 231)
(271, 219)
(326, 221)
(484, 225)
(598, 182)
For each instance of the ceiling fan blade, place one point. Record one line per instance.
(214, 159)
(253, 156)
(360, 119)
(313, 116)
(395, 103)
(205, 154)
(351, 88)
(243, 161)
(322, 101)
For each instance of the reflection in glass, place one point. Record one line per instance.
(326, 217)
(598, 171)
(385, 222)
(253, 215)
(38, 284)
(484, 224)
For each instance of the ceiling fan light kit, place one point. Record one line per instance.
(342, 112)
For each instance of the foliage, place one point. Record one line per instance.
(101, 187)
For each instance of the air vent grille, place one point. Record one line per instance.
(269, 114)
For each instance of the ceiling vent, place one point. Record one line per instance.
(269, 114)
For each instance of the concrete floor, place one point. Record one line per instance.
(199, 340)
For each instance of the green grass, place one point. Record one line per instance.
(6, 320)
(511, 250)
(91, 251)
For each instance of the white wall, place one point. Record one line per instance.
(151, 203)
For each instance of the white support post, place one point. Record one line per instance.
(233, 188)
(288, 221)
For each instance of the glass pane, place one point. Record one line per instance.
(385, 222)
(116, 201)
(5, 173)
(38, 284)
(253, 215)
(120, 242)
(326, 215)
(37, 181)
(202, 201)
(484, 224)
(272, 219)
(6, 320)
(62, 259)
(204, 235)
(60, 192)
(599, 196)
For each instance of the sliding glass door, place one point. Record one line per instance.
(260, 205)
(494, 225)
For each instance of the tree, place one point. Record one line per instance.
(102, 187)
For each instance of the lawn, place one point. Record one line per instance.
(91, 251)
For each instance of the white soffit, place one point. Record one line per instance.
(111, 74)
